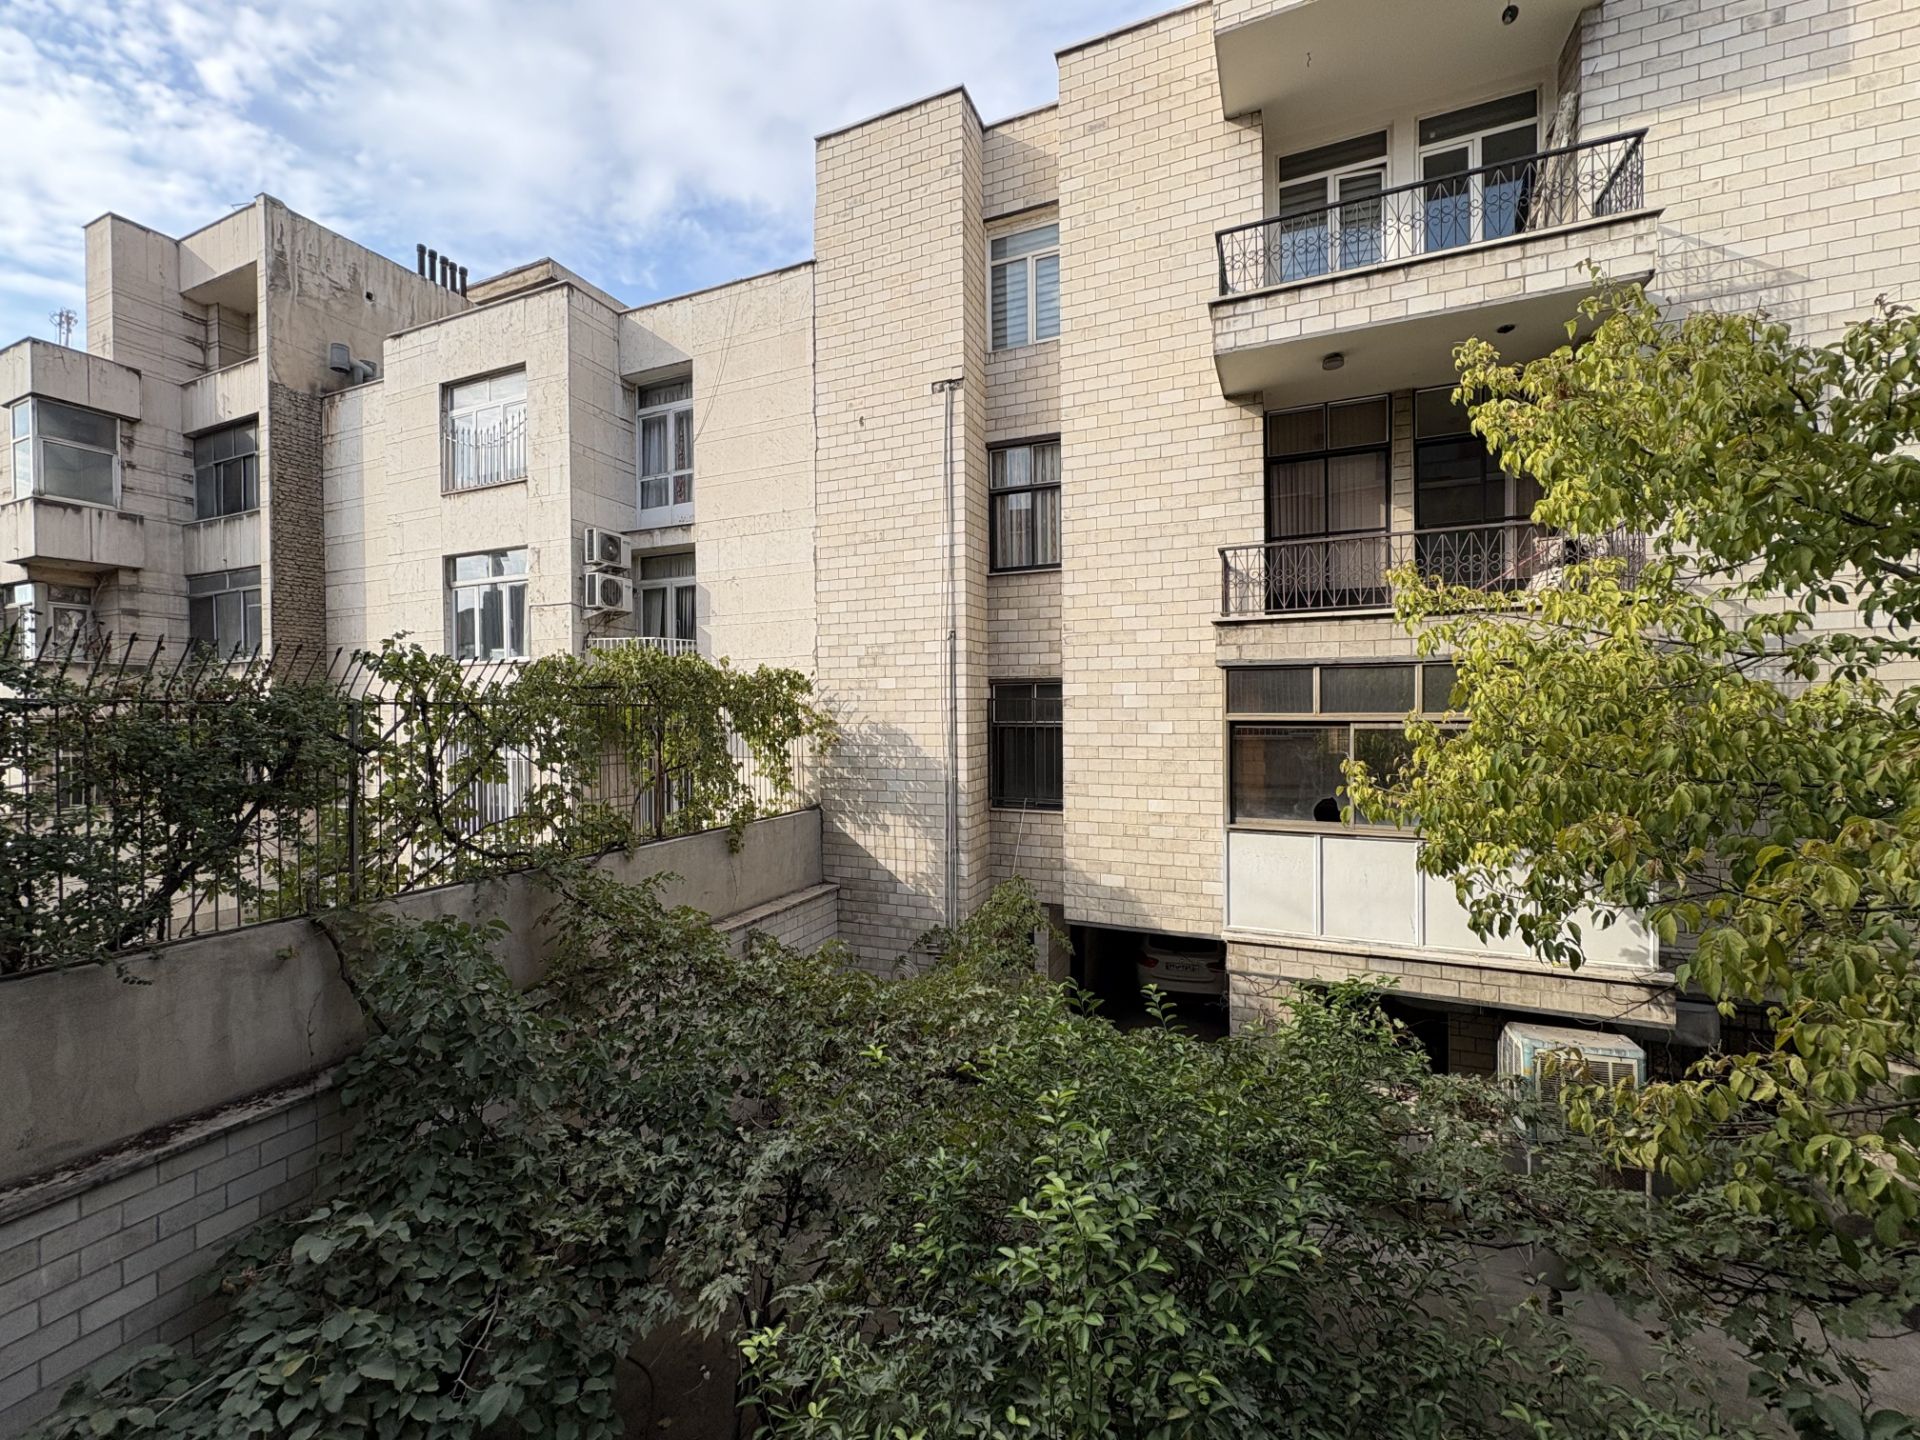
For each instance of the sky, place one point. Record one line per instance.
(653, 146)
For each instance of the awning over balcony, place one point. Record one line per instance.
(1323, 65)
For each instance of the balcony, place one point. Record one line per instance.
(1372, 294)
(1349, 573)
(1594, 180)
(46, 530)
(665, 644)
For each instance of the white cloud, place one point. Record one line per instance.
(650, 145)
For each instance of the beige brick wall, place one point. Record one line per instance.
(108, 1260)
(1158, 470)
(900, 302)
(1021, 162)
(749, 347)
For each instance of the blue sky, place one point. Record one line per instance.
(652, 146)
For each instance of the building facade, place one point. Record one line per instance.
(1070, 467)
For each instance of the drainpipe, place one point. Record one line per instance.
(947, 388)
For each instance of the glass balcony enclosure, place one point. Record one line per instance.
(65, 453)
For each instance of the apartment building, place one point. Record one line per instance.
(1070, 466)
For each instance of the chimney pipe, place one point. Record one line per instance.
(433, 263)
(463, 282)
(420, 260)
(446, 272)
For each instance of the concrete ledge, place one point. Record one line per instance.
(95, 1061)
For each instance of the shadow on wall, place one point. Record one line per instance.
(1691, 273)
(883, 837)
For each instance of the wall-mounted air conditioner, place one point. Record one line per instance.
(606, 594)
(606, 550)
(1604, 1057)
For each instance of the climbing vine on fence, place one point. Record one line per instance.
(148, 796)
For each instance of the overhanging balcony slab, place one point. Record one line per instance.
(1395, 325)
(44, 531)
(1325, 66)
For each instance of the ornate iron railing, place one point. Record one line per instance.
(1350, 572)
(1587, 181)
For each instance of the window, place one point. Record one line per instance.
(65, 453)
(1285, 765)
(1479, 164)
(484, 431)
(1455, 480)
(487, 605)
(1327, 208)
(1327, 476)
(1026, 286)
(226, 471)
(668, 595)
(666, 453)
(1023, 731)
(42, 619)
(1025, 518)
(223, 611)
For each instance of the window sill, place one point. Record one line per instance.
(1008, 807)
(446, 489)
(216, 519)
(47, 499)
(1024, 569)
(1023, 345)
(1324, 827)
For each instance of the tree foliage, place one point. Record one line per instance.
(959, 1204)
(1724, 745)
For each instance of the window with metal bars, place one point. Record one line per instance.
(1024, 743)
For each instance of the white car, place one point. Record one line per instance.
(1182, 966)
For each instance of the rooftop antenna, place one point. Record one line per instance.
(63, 322)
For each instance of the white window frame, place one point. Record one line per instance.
(506, 581)
(678, 479)
(483, 440)
(1474, 142)
(1028, 260)
(244, 583)
(670, 589)
(26, 435)
(1330, 182)
(63, 614)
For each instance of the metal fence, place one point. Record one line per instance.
(1351, 572)
(1587, 181)
(149, 795)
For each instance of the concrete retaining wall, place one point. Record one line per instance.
(104, 1254)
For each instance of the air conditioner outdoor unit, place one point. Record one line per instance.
(607, 550)
(1605, 1058)
(607, 594)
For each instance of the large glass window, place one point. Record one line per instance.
(66, 453)
(1025, 482)
(485, 431)
(1456, 481)
(226, 471)
(223, 610)
(1480, 166)
(669, 611)
(1327, 478)
(1026, 286)
(1291, 728)
(1024, 741)
(43, 619)
(666, 453)
(1327, 209)
(487, 605)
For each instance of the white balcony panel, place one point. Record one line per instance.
(222, 397)
(229, 543)
(1367, 890)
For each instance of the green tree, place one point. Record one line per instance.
(1722, 741)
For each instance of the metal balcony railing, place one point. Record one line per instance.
(1349, 572)
(1587, 181)
(473, 457)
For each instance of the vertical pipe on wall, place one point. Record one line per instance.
(947, 389)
